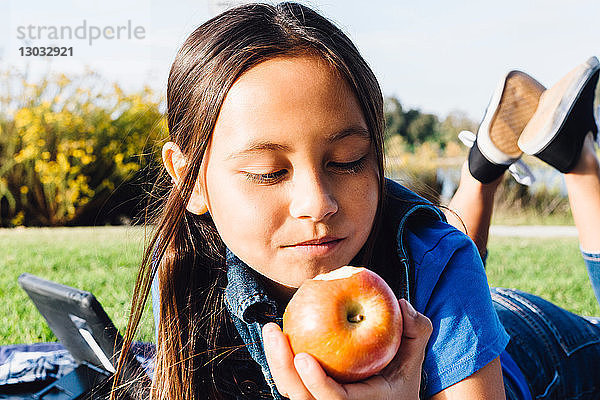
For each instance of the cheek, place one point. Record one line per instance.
(364, 195)
(243, 219)
(362, 207)
(367, 206)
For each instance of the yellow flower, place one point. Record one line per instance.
(63, 80)
(78, 153)
(23, 117)
(24, 189)
(18, 219)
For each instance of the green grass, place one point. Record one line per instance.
(104, 260)
(550, 268)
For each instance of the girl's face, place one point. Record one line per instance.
(290, 176)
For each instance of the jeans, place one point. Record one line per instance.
(557, 351)
(592, 262)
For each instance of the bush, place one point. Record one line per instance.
(434, 174)
(513, 199)
(416, 170)
(67, 144)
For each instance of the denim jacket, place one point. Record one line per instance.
(250, 306)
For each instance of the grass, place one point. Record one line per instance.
(550, 268)
(104, 260)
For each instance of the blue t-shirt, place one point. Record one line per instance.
(451, 289)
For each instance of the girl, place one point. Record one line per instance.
(276, 164)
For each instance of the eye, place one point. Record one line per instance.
(352, 167)
(265, 179)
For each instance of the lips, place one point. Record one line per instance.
(321, 247)
(320, 241)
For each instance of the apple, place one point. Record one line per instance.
(348, 319)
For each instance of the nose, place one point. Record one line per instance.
(312, 198)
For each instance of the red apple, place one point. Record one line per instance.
(348, 319)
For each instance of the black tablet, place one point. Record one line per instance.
(85, 330)
(78, 321)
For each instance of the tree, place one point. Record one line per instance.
(395, 121)
(412, 125)
(455, 122)
(422, 128)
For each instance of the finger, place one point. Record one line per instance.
(281, 363)
(415, 325)
(316, 380)
(375, 387)
(416, 330)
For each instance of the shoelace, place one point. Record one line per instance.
(519, 170)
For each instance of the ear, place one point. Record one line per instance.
(175, 164)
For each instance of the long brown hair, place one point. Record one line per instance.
(186, 252)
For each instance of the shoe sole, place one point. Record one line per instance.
(564, 150)
(511, 117)
(499, 131)
(545, 125)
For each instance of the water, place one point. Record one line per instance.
(545, 179)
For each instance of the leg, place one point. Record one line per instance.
(557, 351)
(583, 187)
(493, 151)
(561, 133)
(470, 209)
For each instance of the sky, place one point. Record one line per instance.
(437, 56)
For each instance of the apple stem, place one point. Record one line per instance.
(355, 318)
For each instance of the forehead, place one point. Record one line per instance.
(286, 99)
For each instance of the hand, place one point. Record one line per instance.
(302, 378)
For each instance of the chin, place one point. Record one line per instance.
(300, 274)
(301, 269)
(322, 266)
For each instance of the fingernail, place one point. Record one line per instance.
(269, 332)
(301, 361)
(411, 310)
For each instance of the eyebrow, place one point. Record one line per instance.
(258, 146)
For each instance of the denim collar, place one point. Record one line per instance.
(245, 296)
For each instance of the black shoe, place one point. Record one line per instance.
(564, 117)
(511, 107)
